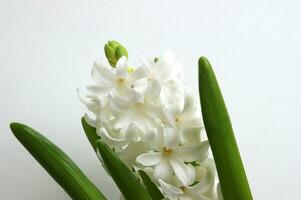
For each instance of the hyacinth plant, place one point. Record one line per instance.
(147, 129)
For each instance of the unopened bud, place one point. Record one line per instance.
(114, 51)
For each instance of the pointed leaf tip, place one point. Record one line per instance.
(14, 126)
(63, 170)
(90, 132)
(124, 178)
(232, 177)
(204, 63)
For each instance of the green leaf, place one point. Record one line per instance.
(233, 180)
(152, 189)
(63, 170)
(90, 133)
(124, 178)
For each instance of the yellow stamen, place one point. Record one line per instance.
(167, 150)
(120, 80)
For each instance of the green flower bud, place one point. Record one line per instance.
(130, 69)
(114, 51)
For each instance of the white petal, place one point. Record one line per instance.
(191, 122)
(110, 140)
(171, 191)
(160, 142)
(125, 120)
(180, 169)
(219, 192)
(208, 183)
(130, 153)
(170, 137)
(90, 120)
(189, 101)
(185, 197)
(149, 159)
(152, 91)
(136, 97)
(121, 67)
(171, 92)
(132, 132)
(102, 74)
(162, 70)
(192, 174)
(193, 152)
(150, 138)
(191, 136)
(92, 104)
(137, 74)
(118, 103)
(146, 66)
(167, 59)
(169, 116)
(96, 90)
(163, 170)
(178, 72)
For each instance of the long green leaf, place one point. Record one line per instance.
(124, 178)
(90, 132)
(63, 170)
(152, 189)
(233, 180)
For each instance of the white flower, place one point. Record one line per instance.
(128, 143)
(113, 80)
(203, 189)
(170, 157)
(137, 107)
(168, 72)
(185, 117)
(151, 120)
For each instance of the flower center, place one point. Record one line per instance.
(177, 119)
(139, 105)
(120, 80)
(183, 188)
(167, 151)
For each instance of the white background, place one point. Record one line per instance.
(47, 49)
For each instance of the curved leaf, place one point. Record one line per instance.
(233, 180)
(124, 178)
(90, 132)
(63, 170)
(152, 189)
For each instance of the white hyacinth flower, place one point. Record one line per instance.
(152, 121)
(169, 157)
(203, 189)
(118, 81)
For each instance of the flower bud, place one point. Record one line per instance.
(130, 69)
(114, 51)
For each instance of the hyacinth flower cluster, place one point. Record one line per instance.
(146, 127)
(152, 121)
